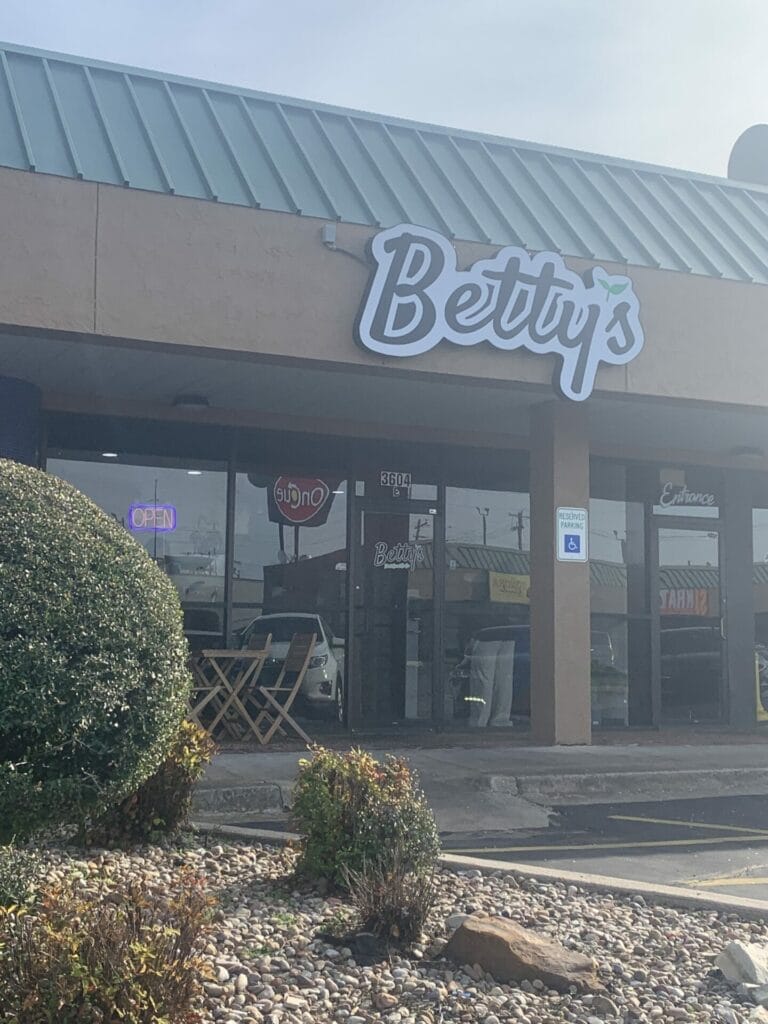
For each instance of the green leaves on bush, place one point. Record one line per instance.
(93, 678)
(20, 873)
(129, 956)
(354, 812)
(160, 806)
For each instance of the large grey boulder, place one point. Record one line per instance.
(744, 963)
(511, 953)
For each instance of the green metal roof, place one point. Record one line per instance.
(101, 122)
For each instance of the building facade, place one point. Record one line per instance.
(494, 413)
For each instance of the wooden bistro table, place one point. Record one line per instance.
(225, 680)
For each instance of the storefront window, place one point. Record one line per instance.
(487, 655)
(178, 514)
(620, 620)
(290, 566)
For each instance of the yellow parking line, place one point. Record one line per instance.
(628, 845)
(690, 824)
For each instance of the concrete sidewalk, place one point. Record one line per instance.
(507, 787)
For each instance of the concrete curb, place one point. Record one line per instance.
(668, 895)
(629, 787)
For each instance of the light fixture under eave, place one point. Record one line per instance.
(109, 455)
(190, 402)
(747, 453)
(194, 472)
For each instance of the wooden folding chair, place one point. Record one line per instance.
(280, 697)
(204, 691)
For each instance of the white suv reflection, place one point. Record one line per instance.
(323, 686)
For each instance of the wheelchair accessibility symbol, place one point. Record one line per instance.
(572, 534)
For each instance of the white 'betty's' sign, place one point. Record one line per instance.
(417, 298)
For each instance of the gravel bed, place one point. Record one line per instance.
(267, 965)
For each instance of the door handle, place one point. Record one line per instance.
(722, 628)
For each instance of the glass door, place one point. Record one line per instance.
(690, 625)
(393, 617)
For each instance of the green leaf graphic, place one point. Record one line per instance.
(604, 284)
(617, 289)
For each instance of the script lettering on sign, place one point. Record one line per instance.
(417, 298)
(398, 556)
(678, 494)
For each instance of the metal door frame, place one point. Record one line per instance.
(357, 505)
(693, 524)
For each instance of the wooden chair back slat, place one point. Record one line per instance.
(259, 642)
(299, 652)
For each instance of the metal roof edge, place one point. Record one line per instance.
(486, 137)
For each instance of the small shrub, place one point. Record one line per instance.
(130, 956)
(353, 811)
(20, 872)
(161, 804)
(93, 676)
(392, 901)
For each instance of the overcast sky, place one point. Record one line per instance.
(667, 81)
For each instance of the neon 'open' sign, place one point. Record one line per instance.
(152, 518)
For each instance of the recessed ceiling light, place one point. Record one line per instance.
(109, 455)
(194, 472)
(338, 492)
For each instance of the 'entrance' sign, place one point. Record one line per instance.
(571, 533)
(417, 298)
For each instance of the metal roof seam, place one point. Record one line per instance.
(111, 143)
(417, 181)
(229, 146)
(586, 212)
(159, 162)
(516, 239)
(191, 147)
(76, 165)
(343, 167)
(551, 204)
(504, 178)
(24, 135)
(434, 163)
(314, 176)
(717, 242)
(377, 169)
(653, 228)
(282, 183)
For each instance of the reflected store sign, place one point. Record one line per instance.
(684, 601)
(299, 501)
(151, 518)
(508, 588)
(397, 556)
(417, 298)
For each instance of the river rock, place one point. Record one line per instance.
(511, 953)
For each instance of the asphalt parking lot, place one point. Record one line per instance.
(718, 844)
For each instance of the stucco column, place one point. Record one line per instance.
(736, 583)
(560, 633)
(19, 421)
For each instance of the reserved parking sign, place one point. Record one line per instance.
(572, 535)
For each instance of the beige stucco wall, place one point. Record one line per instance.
(137, 265)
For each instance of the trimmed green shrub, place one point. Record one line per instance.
(354, 812)
(160, 806)
(93, 677)
(130, 954)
